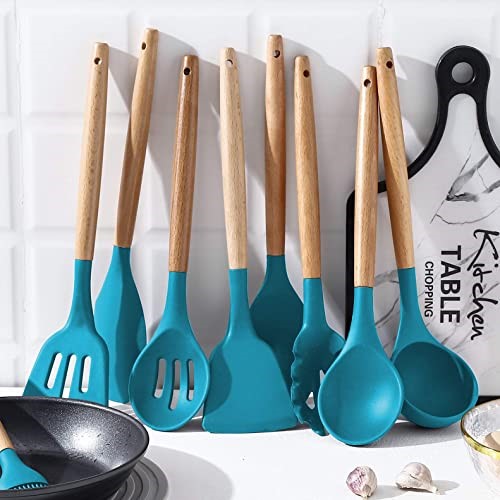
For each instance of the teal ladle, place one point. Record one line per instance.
(439, 385)
(361, 395)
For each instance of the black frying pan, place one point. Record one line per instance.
(86, 451)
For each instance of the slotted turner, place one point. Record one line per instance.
(79, 339)
(119, 317)
(15, 475)
(174, 340)
(277, 310)
(317, 345)
(247, 391)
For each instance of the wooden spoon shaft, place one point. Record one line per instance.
(233, 161)
(275, 146)
(307, 170)
(92, 153)
(5, 442)
(184, 165)
(396, 173)
(137, 138)
(365, 212)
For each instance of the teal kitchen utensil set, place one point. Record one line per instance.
(279, 362)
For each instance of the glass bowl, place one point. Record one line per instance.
(476, 425)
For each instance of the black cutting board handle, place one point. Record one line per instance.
(447, 88)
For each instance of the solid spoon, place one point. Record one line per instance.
(361, 395)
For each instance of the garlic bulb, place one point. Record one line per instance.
(362, 481)
(416, 476)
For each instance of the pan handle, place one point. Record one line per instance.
(184, 165)
(365, 207)
(307, 170)
(275, 147)
(137, 139)
(233, 160)
(396, 173)
(92, 153)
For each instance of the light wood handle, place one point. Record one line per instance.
(92, 151)
(5, 442)
(307, 170)
(184, 165)
(275, 146)
(233, 161)
(365, 207)
(137, 139)
(396, 173)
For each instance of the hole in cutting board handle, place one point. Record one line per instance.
(462, 73)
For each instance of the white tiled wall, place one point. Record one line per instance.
(44, 51)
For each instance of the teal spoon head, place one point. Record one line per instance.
(153, 377)
(440, 386)
(16, 475)
(247, 391)
(119, 319)
(277, 314)
(361, 395)
(315, 349)
(77, 341)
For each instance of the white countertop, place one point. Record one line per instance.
(299, 465)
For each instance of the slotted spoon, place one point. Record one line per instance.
(119, 317)
(79, 339)
(317, 345)
(174, 341)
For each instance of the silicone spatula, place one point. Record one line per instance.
(79, 339)
(247, 392)
(317, 345)
(15, 474)
(277, 310)
(152, 391)
(439, 385)
(361, 395)
(119, 316)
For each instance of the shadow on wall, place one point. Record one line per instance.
(190, 477)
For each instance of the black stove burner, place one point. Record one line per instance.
(146, 482)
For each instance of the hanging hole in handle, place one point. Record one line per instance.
(187, 71)
(367, 83)
(276, 53)
(462, 73)
(229, 63)
(306, 73)
(97, 60)
(143, 46)
(389, 64)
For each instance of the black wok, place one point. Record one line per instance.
(86, 451)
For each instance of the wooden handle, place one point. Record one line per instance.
(307, 170)
(233, 161)
(275, 146)
(396, 173)
(365, 211)
(184, 165)
(137, 139)
(5, 442)
(92, 151)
